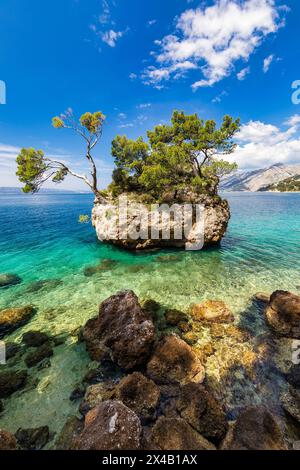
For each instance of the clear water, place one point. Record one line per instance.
(41, 239)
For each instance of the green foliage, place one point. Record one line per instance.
(84, 219)
(31, 167)
(291, 184)
(92, 122)
(180, 156)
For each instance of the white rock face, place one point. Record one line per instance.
(139, 227)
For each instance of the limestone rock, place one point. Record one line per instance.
(123, 327)
(110, 426)
(12, 318)
(11, 381)
(33, 439)
(140, 394)
(34, 357)
(7, 440)
(283, 313)
(255, 429)
(177, 434)
(211, 311)
(7, 280)
(173, 361)
(200, 409)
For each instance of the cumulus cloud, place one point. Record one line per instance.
(110, 37)
(261, 144)
(267, 62)
(104, 26)
(213, 39)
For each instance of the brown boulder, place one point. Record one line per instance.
(7, 440)
(70, 431)
(33, 439)
(291, 403)
(11, 381)
(174, 361)
(123, 327)
(96, 394)
(200, 409)
(110, 426)
(211, 311)
(34, 338)
(34, 357)
(255, 429)
(140, 394)
(13, 318)
(283, 313)
(177, 434)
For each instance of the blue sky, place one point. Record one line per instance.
(137, 61)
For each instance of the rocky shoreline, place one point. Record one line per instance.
(171, 380)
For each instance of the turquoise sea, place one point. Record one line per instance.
(41, 239)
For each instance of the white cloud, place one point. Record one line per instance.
(110, 37)
(267, 62)
(104, 17)
(214, 38)
(151, 22)
(122, 116)
(261, 144)
(243, 73)
(125, 126)
(219, 97)
(143, 105)
(132, 76)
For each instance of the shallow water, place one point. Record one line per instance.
(41, 239)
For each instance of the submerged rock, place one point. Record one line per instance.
(140, 394)
(255, 429)
(211, 311)
(123, 327)
(43, 284)
(11, 381)
(7, 280)
(173, 361)
(7, 440)
(174, 317)
(13, 318)
(1, 406)
(291, 403)
(262, 297)
(293, 376)
(177, 434)
(34, 357)
(200, 409)
(71, 430)
(96, 394)
(104, 265)
(33, 439)
(283, 313)
(11, 350)
(110, 426)
(35, 338)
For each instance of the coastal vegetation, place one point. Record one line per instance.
(183, 156)
(291, 184)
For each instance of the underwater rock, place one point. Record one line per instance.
(173, 361)
(7, 280)
(218, 331)
(291, 403)
(140, 395)
(7, 440)
(70, 431)
(11, 349)
(11, 381)
(110, 426)
(262, 297)
(201, 410)
(104, 265)
(254, 429)
(211, 311)
(123, 327)
(1, 406)
(216, 213)
(33, 439)
(191, 337)
(77, 393)
(34, 357)
(293, 376)
(96, 394)
(34, 338)
(283, 313)
(174, 317)
(13, 318)
(177, 434)
(43, 284)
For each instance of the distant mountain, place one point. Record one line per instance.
(291, 184)
(259, 180)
